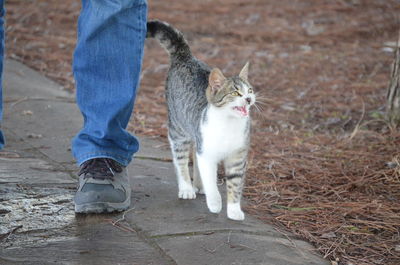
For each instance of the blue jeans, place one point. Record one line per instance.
(107, 63)
(1, 67)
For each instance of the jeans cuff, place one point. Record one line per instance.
(123, 160)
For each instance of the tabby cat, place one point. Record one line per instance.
(211, 113)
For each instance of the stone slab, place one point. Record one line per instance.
(21, 81)
(17, 147)
(151, 148)
(92, 243)
(45, 126)
(238, 248)
(21, 163)
(31, 171)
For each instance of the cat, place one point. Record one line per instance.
(209, 113)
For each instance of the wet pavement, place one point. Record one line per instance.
(37, 183)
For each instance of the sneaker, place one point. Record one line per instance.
(103, 187)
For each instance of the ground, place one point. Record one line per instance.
(324, 162)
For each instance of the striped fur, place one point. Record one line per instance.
(170, 38)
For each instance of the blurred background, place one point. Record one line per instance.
(324, 162)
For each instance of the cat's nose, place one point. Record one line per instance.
(248, 100)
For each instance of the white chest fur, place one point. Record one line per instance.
(222, 133)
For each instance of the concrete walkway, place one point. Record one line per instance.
(37, 183)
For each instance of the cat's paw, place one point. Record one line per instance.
(214, 203)
(237, 215)
(234, 212)
(187, 193)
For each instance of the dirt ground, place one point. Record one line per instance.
(324, 162)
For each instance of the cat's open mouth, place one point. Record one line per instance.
(242, 110)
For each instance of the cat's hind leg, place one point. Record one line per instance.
(180, 153)
(198, 185)
(235, 167)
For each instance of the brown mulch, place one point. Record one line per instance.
(324, 162)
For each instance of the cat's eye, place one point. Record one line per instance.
(250, 90)
(235, 93)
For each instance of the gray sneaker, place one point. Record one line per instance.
(103, 187)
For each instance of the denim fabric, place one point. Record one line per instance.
(2, 11)
(107, 63)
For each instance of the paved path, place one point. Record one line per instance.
(37, 183)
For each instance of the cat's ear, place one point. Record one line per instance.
(244, 73)
(216, 79)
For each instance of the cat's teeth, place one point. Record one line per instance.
(243, 111)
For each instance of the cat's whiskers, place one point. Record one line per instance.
(258, 108)
(262, 102)
(260, 113)
(262, 99)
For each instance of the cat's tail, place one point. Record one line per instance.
(170, 38)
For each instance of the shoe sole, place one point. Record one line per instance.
(102, 207)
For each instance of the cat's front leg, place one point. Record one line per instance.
(235, 168)
(208, 173)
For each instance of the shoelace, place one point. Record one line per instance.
(100, 168)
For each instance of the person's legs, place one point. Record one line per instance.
(107, 64)
(1, 68)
